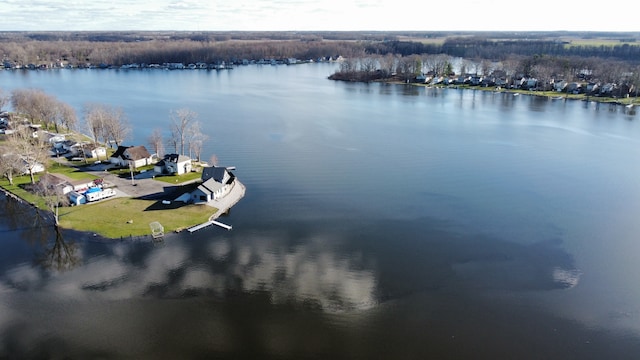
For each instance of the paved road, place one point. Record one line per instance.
(143, 185)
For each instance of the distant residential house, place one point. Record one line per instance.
(56, 139)
(531, 83)
(95, 151)
(559, 85)
(517, 82)
(216, 182)
(488, 81)
(574, 88)
(463, 79)
(607, 89)
(70, 146)
(475, 80)
(131, 155)
(65, 184)
(173, 164)
(31, 167)
(57, 182)
(592, 87)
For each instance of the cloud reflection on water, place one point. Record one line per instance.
(309, 271)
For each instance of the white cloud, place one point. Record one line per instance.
(306, 15)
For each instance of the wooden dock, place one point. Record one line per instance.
(209, 223)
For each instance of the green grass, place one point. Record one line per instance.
(70, 171)
(18, 189)
(124, 217)
(178, 179)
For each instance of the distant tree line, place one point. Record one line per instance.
(118, 48)
(367, 55)
(483, 48)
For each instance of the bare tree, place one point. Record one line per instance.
(116, 126)
(486, 67)
(213, 160)
(156, 142)
(52, 195)
(196, 140)
(33, 151)
(5, 99)
(388, 64)
(180, 120)
(65, 116)
(106, 123)
(38, 106)
(27, 102)
(10, 164)
(62, 255)
(94, 119)
(437, 64)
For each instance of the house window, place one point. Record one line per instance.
(203, 198)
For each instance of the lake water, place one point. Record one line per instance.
(380, 221)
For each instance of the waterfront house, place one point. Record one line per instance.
(208, 190)
(173, 164)
(70, 146)
(218, 173)
(93, 151)
(56, 139)
(57, 182)
(29, 167)
(592, 87)
(216, 183)
(560, 85)
(135, 156)
(65, 185)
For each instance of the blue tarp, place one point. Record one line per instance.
(92, 190)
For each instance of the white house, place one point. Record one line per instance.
(209, 190)
(66, 185)
(134, 155)
(216, 183)
(173, 164)
(56, 139)
(33, 168)
(218, 173)
(70, 146)
(559, 85)
(93, 151)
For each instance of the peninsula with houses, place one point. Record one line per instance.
(120, 192)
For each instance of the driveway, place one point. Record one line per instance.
(143, 185)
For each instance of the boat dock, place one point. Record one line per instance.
(209, 223)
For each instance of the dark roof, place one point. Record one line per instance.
(175, 158)
(138, 152)
(215, 172)
(119, 152)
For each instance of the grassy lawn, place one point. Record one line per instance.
(17, 188)
(70, 171)
(178, 179)
(124, 217)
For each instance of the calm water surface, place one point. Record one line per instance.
(380, 221)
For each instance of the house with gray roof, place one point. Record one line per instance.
(216, 183)
(134, 155)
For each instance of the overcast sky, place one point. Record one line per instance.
(338, 15)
